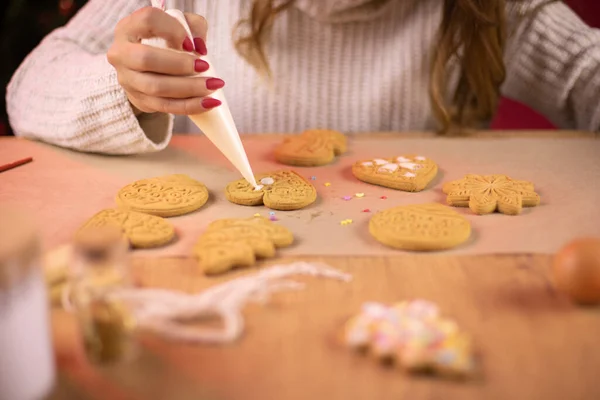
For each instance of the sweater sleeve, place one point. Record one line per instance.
(67, 94)
(553, 64)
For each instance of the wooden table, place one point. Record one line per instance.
(531, 342)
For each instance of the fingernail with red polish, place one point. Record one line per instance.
(200, 66)
(209, 103)
(214, 83)
(188, 45)
(200, 46)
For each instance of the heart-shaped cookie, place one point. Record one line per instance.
(280, 190)
(311, 148)
(410, 173)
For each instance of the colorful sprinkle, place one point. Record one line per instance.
(257, 215)
(346, 222)
(273, 218)
(327, 184)
(366, 210)
(347, 198)
(272, 213)
(359, 195)
(313, 178)
(383, 197)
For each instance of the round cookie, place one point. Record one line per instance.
(142, 230)
(423, 227)
(410, 173)
(311, 148)
(280, 190)
(164, 196)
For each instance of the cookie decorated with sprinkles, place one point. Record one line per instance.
(311, 148)
(413, 336)
(421, 227)
(279, 190)
(409, 173)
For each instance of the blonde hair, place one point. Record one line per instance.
(472, 35)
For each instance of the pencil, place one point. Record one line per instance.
(15, 164)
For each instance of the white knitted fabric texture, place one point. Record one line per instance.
(351, 71)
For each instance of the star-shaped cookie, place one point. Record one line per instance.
(484, 194)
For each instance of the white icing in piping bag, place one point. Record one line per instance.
(217, 124)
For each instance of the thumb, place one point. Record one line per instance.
(199, 27)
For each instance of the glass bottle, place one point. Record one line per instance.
(99, 270)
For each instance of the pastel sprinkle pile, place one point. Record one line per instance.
(413, 335)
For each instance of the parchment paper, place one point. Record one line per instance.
(64, 188)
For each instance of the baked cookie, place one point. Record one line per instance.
(423, 227)
(413, 336)
(311, 148)
(142, 230)
(410, 173)
(231, 243)
(164, 196)
(280, 190)
(484, 194)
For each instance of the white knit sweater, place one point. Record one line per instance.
(350, 65)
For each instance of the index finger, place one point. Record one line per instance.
(199, 27)
(150, 22)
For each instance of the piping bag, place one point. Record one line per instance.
(217, 124)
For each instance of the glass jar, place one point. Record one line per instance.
(27, 369)
(99, 270)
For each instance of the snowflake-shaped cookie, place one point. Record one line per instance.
(484, 194)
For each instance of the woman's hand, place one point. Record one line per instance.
(161, 80)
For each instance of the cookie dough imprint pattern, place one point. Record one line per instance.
(408, 173)
(281, 190)
(231, 243)
(142, 230)
(165, 196)
(484, 194)
(311, 148)
(424, 227)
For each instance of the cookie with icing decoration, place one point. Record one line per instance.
(232, 243)
(142, 230)
(164, 196)
(311, 148)
(484, 194)
(422, 227)
(279, 190)
(410, 173)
